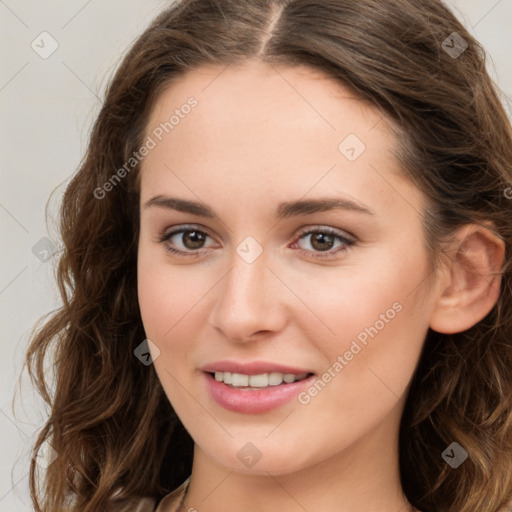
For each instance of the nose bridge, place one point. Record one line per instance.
(247, 301)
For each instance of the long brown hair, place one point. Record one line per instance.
(110, 422)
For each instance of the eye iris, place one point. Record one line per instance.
(197, 239)
(322, 238)
(193, 239)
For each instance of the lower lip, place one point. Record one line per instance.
(254, 401)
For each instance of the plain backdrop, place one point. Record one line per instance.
(48, 103)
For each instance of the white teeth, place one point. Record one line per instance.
(239, 380)
(258, 381)
(261, 380)
(275, 378)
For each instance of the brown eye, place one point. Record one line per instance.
(184, 241)
(192, 239)
(322, 240)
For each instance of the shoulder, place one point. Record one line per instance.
(167, 504)
(133, 505)
(171, 501)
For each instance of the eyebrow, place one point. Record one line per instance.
(284, 210)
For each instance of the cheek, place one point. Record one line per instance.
(375, 321)
(165, 294)
(165, 301)
(354, 297)
(172, 302)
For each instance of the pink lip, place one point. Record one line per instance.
(254, 401)
(252, 368)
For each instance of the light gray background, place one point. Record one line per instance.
(47, 108)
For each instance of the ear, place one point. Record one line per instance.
(470, 283)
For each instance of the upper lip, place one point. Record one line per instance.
(251, 368)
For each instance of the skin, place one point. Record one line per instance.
(260, 136)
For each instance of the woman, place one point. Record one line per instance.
(286, 276)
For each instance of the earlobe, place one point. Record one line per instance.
(470, 285)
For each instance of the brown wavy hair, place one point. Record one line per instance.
(116, 435)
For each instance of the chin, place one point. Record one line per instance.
(261, 457)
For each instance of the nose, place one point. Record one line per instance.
(249, 301)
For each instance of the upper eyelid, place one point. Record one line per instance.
(179, 229)
(337, 231)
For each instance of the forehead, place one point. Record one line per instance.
(270, 130)
(255, 90)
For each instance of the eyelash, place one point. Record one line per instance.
(347, 243)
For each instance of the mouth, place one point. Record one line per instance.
(255, 394)
(257, 382)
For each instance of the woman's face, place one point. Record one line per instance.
(271, 277)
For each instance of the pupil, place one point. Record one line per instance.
(191, 235)
(324, 238)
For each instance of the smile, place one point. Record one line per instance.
(262, 380)
(255, 394)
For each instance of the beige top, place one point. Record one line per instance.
(172, 500)
(169, 503)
